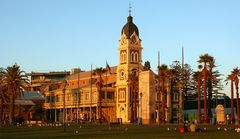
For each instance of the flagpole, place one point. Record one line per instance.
(78, 97)
(106, 82)
(182, 57)
(158, 88)
(182, 95)
(91, 96)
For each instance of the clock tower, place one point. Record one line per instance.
(130, 58)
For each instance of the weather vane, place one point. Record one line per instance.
(130, 9)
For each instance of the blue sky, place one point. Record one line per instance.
(57, 35)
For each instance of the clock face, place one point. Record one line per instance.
(133, 39)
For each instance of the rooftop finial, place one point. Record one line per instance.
(130, 9)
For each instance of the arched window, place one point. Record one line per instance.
(132, 57)
(136, 57)
(121, 57)
(124, 56)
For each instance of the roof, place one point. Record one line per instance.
(129, 28)
(30, 95)
(24, 102)
(48, 73)
(87, 74)
(109, 80)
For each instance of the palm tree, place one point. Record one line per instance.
(100, 71)
(197, 76)
(16, 81)
(3, 95)
(163, 74)
(205, 60)
(236, 73)
(133, 82)
(205, 74)
(231, 78)
(170, 73)
(210, 86)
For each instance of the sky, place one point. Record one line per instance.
(58, 35)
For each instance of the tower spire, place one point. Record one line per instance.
(130, 9)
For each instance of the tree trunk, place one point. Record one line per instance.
(11, 115)
(210, 97)
(170, 103)
(100, 105)
(135, 106)
(163, 101)
(205, 94)
(236, 80)
(232, 102)
(181, 102)
(1, 111)
(199, 100)
(238, 110)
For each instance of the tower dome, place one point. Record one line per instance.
(129, 28)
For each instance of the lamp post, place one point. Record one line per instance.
(141, 103)
(158, 93)
(64, 112)
(181, 103)
(140, 117)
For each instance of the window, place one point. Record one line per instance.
(57, 98)
(134, 71)
(47, 99)
(136, 57)
(122, 95)
(69, 97)
(42, 77)
(122, 75)
(103, 95)
(82, 96)
(110, 95)
(132, 57)
(52, 98)
(86, 96)
(123, 56)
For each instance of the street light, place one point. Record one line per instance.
(181, 103)
(64, 112)
(140, 117)
(158, 97)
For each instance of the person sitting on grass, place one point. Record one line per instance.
(193, 127)
(185, 126)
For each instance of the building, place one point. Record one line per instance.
(39, 80)
(126, 92)
(82, 97)
(30, 106)
(130, 62)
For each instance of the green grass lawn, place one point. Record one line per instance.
(115, 132)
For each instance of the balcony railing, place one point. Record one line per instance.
(85, 103)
